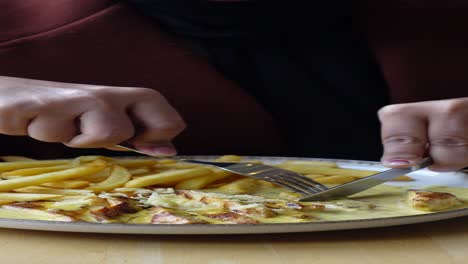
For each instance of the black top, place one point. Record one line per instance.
(302, 60)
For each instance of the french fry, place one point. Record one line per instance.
(97, 177)
(10, 177)
(5, 202)
(167, 161)
(135, 163)
(229, 158)
(15, 165)
(139, 171)
(9, 211)
(125, 189)
(308, 163)
(49, 190)
(336, 179)
(8, 185)
(37, 170)
(327, 170)
(118, 177)
(244, 185)
(403, 178)
(168, 177)
(15, 158)
(200, 182)
(67, 184)
(27, 197)
(86, 159)
(315, 176)
(175, 166)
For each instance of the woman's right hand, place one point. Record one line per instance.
(88, 116)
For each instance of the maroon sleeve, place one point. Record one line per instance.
(112, 45)
(421, 45)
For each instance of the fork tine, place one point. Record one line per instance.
(309, 181)
(251, 170)
(302, 181)
(298, 184)
(287, 179)
(286, 185)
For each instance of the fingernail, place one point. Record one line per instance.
(397, 162)
(163, 151)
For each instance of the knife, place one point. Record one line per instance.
(363, 184)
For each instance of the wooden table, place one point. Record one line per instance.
(438, 242)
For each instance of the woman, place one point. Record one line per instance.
(305, 63)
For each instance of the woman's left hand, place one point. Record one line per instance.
(433, 128)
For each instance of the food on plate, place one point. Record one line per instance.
(146, 190)
(432, 201)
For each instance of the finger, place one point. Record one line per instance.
(404, 135)
(102, 129)
(157, 149)
(159, 123)
(118, 148)
(14, 125)
(50, 128)
(448, 136)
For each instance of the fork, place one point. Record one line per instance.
(285, 178)
(281, 177)
(312, 190)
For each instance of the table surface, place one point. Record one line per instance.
(437, 242)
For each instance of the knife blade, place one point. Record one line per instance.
(363, 184)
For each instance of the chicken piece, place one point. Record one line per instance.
(233, 218)
(254, 209)
(113, 208)
(431, 201)
(163, 216)
(306, 206)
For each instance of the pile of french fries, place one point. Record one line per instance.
(24, 179)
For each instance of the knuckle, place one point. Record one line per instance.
(147, 92)
(18, 106)
(402, 139)
(10, 126)
(94, 99)
(449, 141)
(49, 132)
(89, 99)
(170, 127)
(392, 110)
(112, 135)
(453, 107)
(162, 131)
(6, 109)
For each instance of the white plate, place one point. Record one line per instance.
(423, 178)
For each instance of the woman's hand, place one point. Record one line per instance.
(88, 116)
(435, 128)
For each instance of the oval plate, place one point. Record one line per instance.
(422, 178)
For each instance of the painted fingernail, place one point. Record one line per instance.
(398, 162)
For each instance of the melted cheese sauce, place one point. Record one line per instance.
(379, 202)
